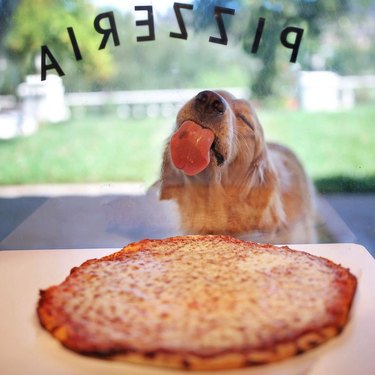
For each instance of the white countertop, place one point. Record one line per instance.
(25, 348)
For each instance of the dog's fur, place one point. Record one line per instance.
(251, 189)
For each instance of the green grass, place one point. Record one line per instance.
(337, 149)
(91, 149)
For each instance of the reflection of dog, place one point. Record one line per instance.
(236, 183)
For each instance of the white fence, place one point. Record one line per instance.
(7, 102)
(328, 91)
(139, 103)
(46, 101)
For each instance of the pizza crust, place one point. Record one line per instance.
(230, 360)
(199, 302)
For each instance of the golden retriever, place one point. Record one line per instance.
(246, 188)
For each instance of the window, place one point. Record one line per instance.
(90, 90)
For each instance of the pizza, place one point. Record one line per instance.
(199, 302)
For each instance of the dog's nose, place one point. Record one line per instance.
(209, 102)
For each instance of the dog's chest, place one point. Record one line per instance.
(216, 210)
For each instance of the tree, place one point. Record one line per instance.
(6, 10)
(204, 10)
(44, 22)
(314, 16)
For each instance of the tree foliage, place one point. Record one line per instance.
(44, 22)
(314, 16)
(204, 10)
(311, 15)
(6, 10)
(169, 62)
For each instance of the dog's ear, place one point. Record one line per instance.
(171, 180)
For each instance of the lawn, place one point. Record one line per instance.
(91, 149)
(337, 149)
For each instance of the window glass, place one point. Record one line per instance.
(90, 91)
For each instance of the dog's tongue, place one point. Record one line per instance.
(190, 148)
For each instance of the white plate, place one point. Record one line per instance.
(25, 348)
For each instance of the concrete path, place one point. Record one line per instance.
(111, 215)
(358, 212)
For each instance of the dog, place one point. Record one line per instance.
(234, 183)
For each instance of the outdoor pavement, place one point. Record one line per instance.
(358, 212)
(111, 215)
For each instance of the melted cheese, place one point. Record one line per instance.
(196, 294)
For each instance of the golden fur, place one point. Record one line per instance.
(251, 189)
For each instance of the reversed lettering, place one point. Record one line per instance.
(220, 23)
(107, 32)
(290, 36)
(147, 22)
(181, 24)
(73, 41)
(258, 35)
(45, 52)
(297, 41)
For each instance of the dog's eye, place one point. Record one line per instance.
(246, 121)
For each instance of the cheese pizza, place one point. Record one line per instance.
(199, 302)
